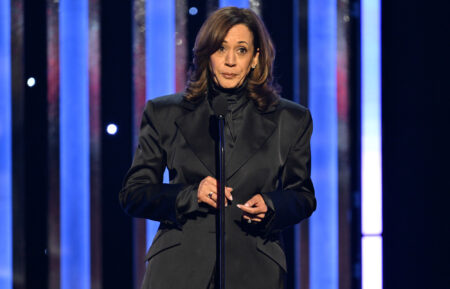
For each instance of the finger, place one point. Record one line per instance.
(252, 216)
(212, 196)
(215, 197)
(211, 202)
(210, 179)
(206, 192)
(257, 201)
(206, 188)
(254, 200)
(250, 210)
(208, 182)
(260, 216)
(252, 219)
(210, 199)
(228, 193)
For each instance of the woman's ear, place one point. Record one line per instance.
(255, 59)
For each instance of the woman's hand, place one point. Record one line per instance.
(254, 209)
(207, 192)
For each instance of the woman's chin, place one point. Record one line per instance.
(227, 84)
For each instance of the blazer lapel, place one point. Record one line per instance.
(195, 128)
(256, 129)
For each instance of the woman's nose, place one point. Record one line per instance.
(230, 59)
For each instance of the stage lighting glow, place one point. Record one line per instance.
(31, 82)
(324, 235)
(371, 117)
(160, 67)
(237, 3)
(296, 98)
(372, 262)
(111, 129)
(193, 10)
(371, 173)
(6, 232)
(74, 144)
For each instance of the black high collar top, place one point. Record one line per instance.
(237, 100)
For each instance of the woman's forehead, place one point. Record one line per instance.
(239, 34)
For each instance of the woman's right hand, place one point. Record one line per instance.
(207, 192)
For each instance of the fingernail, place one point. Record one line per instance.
(231, 197)
(239, 206)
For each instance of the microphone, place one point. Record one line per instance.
(220, 105)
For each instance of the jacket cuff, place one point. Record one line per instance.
(265, 225)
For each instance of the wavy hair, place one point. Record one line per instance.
(260, 85)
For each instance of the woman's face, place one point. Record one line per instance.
(231, 63)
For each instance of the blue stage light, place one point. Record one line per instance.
(6, 264)
(74, 144)
(237, 3)
(160, 62)
(193, 10)
(324, 234)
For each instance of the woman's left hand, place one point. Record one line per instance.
(254, 209)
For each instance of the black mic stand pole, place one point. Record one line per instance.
(220, 107)
(221, 202)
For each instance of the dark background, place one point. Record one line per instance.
(416, 192)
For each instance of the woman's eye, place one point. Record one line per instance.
(221, 49)
(242, 50)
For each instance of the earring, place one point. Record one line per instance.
(253, 67)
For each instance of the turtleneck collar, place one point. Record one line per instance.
(235, 96)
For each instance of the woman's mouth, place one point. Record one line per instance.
(228, 75)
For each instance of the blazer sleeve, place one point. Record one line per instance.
(295, 199)
(144, 195)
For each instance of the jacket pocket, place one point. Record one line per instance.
(272, 250)
(163, 241)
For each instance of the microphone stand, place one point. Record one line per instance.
(220, 107)
(221, 201)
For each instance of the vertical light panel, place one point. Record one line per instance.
(74, 138)
(322, 37)
(296, 98)
(372, 260)
(296, 49)
(160, 61)
(5, 147)
(371, 194)
(371, 117)
(237, 3)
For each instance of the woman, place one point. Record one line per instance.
(268, 185)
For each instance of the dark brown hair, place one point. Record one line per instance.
(260, 84)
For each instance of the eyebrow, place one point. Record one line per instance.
(242, 41)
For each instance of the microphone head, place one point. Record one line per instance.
(220, 105)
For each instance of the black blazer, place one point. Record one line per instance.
(271, 156)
